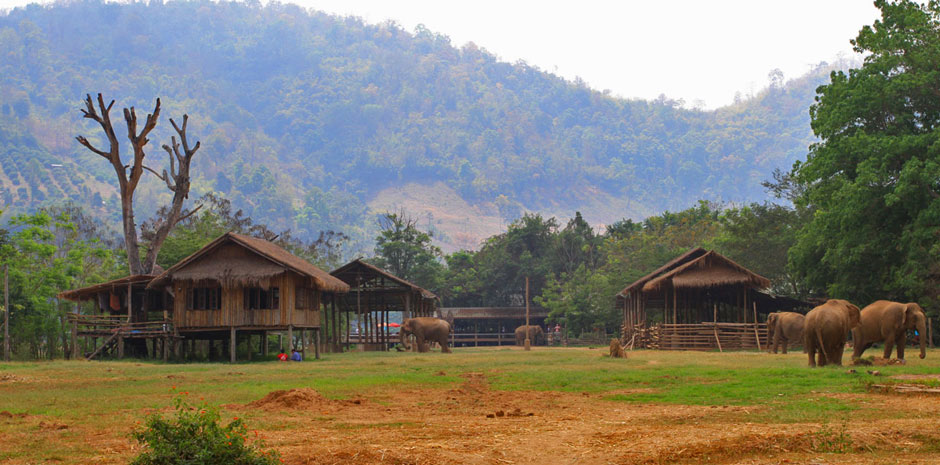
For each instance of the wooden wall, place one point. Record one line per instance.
(234, 313)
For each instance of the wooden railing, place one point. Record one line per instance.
(104, 326)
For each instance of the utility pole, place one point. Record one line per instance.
(528, 344)
(6, 313)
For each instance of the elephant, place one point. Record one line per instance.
(536, 335)
(888, 322)
(784, 328)
(425, 330)
(826, 328)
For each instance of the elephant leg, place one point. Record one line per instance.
(444, 348)
(785, 342)
(858, 348)
(889, 346)
(776, 343)
(901, 342)
(422, 345)
(811, 350)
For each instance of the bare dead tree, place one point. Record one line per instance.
(128, 175)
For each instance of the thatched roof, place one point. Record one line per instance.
(675, 262)
(709, 270)
(91, 292)
(233, 259)
(346, 273)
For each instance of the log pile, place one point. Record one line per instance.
(703, 336)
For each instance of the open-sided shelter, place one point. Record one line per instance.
(374, 294)
(245, 285)
(127, 317)
(698, 287)
(475, 326)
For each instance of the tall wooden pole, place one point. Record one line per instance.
(528, 344)
(6, 313)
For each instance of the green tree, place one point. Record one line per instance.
(872, 179)
(407, 252)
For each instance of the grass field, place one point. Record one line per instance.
(655, 407)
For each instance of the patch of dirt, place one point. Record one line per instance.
(9, 378)
(299, 399)
(878, 361)
(293, 399)
(51, 425)
(6, 414)
(917, 377)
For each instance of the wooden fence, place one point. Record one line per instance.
(703, 336)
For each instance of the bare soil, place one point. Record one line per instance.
(472, 424)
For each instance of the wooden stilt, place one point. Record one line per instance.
(756, 335)
(316, 335)
(232, 343)
(264, 343)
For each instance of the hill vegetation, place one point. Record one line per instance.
(306, 118)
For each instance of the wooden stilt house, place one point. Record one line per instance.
(699, 300)
(244, 286)
(364, 314)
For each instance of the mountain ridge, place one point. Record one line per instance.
(306, 119)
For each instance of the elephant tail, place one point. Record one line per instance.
(822, 346)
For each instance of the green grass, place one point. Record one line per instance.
(99, 395)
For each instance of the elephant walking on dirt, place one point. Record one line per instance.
(784, 328)
(825, 330)
(425, 331)
(889, 322)
(536, 335)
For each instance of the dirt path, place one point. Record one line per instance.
(475, 425)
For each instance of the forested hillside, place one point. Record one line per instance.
(305, 117)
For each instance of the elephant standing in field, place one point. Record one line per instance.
(888, 322)
(425, 331)
(536, 335)
(826, 328)
(784, 328)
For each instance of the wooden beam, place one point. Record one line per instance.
(231, 344)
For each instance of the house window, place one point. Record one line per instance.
(305, 298)
(257, 298)
(205, 298)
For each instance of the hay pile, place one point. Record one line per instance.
(616, 350)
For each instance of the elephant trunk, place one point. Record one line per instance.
(402, 334)
(922, 332)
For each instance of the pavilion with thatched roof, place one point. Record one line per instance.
(698, 287)
(374, 295)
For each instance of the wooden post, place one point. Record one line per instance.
(303, 344)
(528, 344)
(358, 309)
(316, 346)
(75, 351)
(290, 337)
(756, 336)
(264, 343)
(231, 344)
(674, 320)
(6, 313)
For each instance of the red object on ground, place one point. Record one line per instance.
(282, 357)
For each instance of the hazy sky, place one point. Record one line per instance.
(697, 50)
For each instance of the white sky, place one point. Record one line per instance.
(696, 50)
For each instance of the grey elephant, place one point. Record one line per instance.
(784, 328)
(889, 322)
(536, 335)
(825, 330)
(425, 330)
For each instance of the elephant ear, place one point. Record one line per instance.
(855, 315)
(910, 313)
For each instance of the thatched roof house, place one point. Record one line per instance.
(697, 286)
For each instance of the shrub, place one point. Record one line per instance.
(197, 436)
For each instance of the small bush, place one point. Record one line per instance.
(197, 436)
